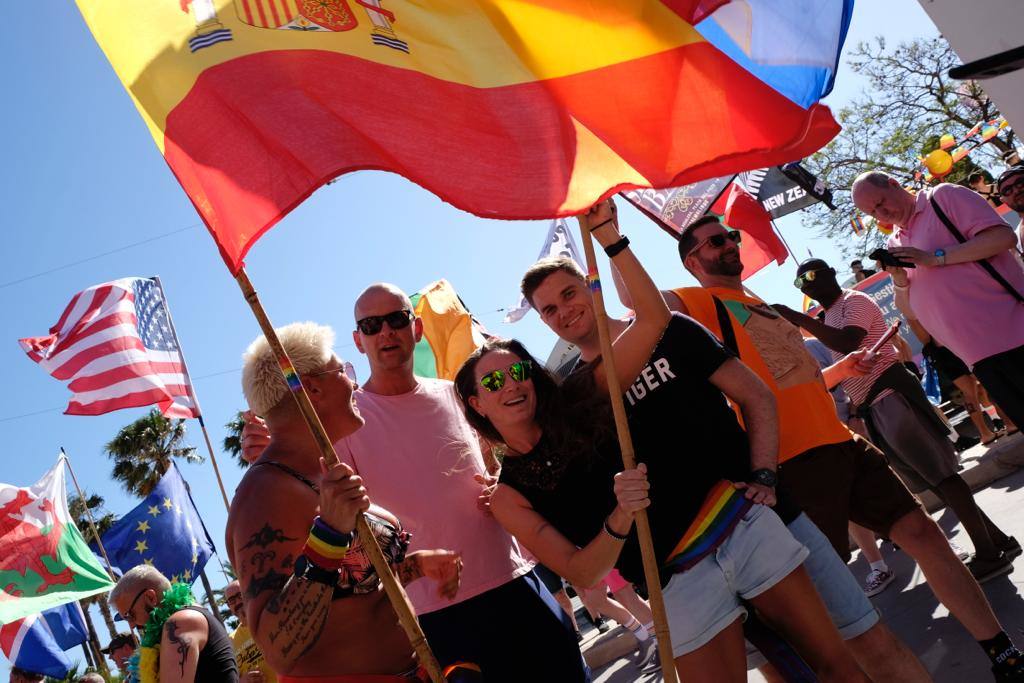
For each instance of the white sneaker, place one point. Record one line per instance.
(958, 550)
(877, 581)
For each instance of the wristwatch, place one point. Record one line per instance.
(941, 255)
(764, 477)
(304, 569)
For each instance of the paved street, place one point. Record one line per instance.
(911, 610)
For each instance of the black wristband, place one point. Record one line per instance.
(602, 224)
(304, 569)
(617, 248)
(613, 533)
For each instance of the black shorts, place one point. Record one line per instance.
(946, 362)
(846, 482)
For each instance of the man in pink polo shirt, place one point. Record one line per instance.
(976, 313)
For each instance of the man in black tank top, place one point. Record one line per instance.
(194, 647)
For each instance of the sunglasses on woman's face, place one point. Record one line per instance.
(518, 372)
(396, 320)
(718, 240)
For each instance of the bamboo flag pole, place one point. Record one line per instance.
(192, 391)
(95, 531)
(399, 601)
(643, 528)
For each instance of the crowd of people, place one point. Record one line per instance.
(491, 493)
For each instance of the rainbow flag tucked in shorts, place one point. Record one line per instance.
(722, 510)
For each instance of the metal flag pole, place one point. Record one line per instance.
(192, 390)
(643, 528)
(399, 600)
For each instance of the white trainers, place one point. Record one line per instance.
(877, 581)
(958, 550)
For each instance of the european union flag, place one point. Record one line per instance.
(165, 530)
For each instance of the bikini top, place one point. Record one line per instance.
(358, 577)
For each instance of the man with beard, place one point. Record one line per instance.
(1011, 190)
(833, 475)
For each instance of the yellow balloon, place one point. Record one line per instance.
(939, 162)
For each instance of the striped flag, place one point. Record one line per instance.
(857, 223)
(115, 346)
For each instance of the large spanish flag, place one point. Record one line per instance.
(504, 108)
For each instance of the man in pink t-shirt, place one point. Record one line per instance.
(977, 314)
(418, 456)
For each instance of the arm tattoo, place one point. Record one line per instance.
(182, 644)
(271, 581)
(265, 537)
(409, 570)
(302, 613)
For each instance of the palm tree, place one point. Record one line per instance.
(143, 451)
(233, 441)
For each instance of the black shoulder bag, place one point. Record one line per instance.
(725, 323)
(984, 262)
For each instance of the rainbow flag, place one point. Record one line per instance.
(721, 511)
(504, 108)
(857, 223)
(450, 333)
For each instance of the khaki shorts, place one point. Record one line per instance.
(846, 482)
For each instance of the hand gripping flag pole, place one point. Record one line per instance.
(643, 528)
(399, 600)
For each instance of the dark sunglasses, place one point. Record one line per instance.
(718, 240)
(132, 606)
(809, 276)
(518, 371)
(396, 320)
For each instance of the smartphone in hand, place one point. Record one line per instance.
(886, 259)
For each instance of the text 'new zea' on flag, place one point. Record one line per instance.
(38, 642)
(164, 530)
(44, 561)
(450, 333)
(504, 108)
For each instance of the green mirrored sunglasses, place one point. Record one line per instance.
(518, 372)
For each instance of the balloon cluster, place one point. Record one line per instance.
(939, 162)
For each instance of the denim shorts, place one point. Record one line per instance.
(850, 610)
(702, 601)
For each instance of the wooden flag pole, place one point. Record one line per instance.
(192, 390)
(399, 601)
(643, 528)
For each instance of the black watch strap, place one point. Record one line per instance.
(764, 477)
(304, 569)
(615, 249)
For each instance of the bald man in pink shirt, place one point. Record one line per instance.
(969, 292)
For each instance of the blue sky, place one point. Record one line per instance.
(81, 177)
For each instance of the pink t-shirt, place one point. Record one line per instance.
(961, 305)
(417, 456)
(859, 310)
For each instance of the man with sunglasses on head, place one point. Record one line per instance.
(194, 646)
(899, 417)
(419, 458)
(833, 475)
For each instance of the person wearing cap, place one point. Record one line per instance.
(965, 279)
(120, 650)
(1011, 190)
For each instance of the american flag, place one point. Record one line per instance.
(115, 344)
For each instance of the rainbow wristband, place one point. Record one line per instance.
(326, 547)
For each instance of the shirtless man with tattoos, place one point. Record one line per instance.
(313, 601)
(194, 647)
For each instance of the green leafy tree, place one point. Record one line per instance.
(908, 103)
(143, 451)
(233, 440)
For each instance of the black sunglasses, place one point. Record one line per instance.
(718, 240)
(132, 606)
(396, 320)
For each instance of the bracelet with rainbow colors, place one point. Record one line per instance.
(325, 547)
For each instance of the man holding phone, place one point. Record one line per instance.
(897, 413)
(967, 287)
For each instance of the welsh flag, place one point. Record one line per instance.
(44, 561)
(450, 333)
